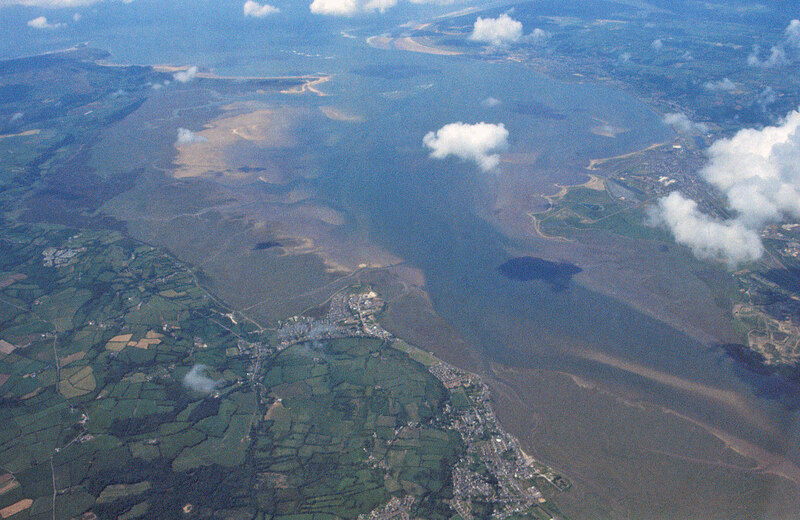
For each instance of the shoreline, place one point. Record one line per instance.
(594, 163)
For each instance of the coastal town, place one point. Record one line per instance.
(494, 474)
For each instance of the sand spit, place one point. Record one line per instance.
(724, 397)
(423, 45)
(595, 183)
(537, 229)
(336, 114)
(411, 44)
(594, 163)
(21, 134)
(171, 69)
(309, 86)
(380, 42)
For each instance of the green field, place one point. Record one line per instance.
(582, 209)
(332, 429)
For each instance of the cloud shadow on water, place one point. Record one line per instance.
(528, 268)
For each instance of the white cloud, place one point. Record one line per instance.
(379, 5)
(335, 7)
(793, 34)
(730, 242)
(256, 10)
(537, 36)
(657, 45)
(76, 17)
(496, 31)
(777, 57)
(766, 98)
(682, 123)
(768, 95)
(55, 4)
(625, 57)
(491, 102)
(42, 23)
(350, 7)
(786, 52)
(354, 7)
(468, 142)
(758, 172)
(197, 380)
(186, 136)
(185, 76)
(723, 85)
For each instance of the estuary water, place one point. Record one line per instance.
(427, 212)
(431, 213)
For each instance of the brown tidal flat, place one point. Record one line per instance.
(725, 398)
(630, 459)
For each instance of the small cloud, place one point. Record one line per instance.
(474, 142)
(335, 7)
(52, 4)
(197, 379)
(625, 57)
(186, 136)
(657, 45)
(350, 7)
(766, 98)
(354, 7)
(793, 34)
(16, 116)
(777, 57)
(41, 23)
(76, 17)
(256, 10)
(185, 76)
(537, 37)
(496, 31)
(723, 85)
(682, 123)
(786, 52)
(491, 102)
